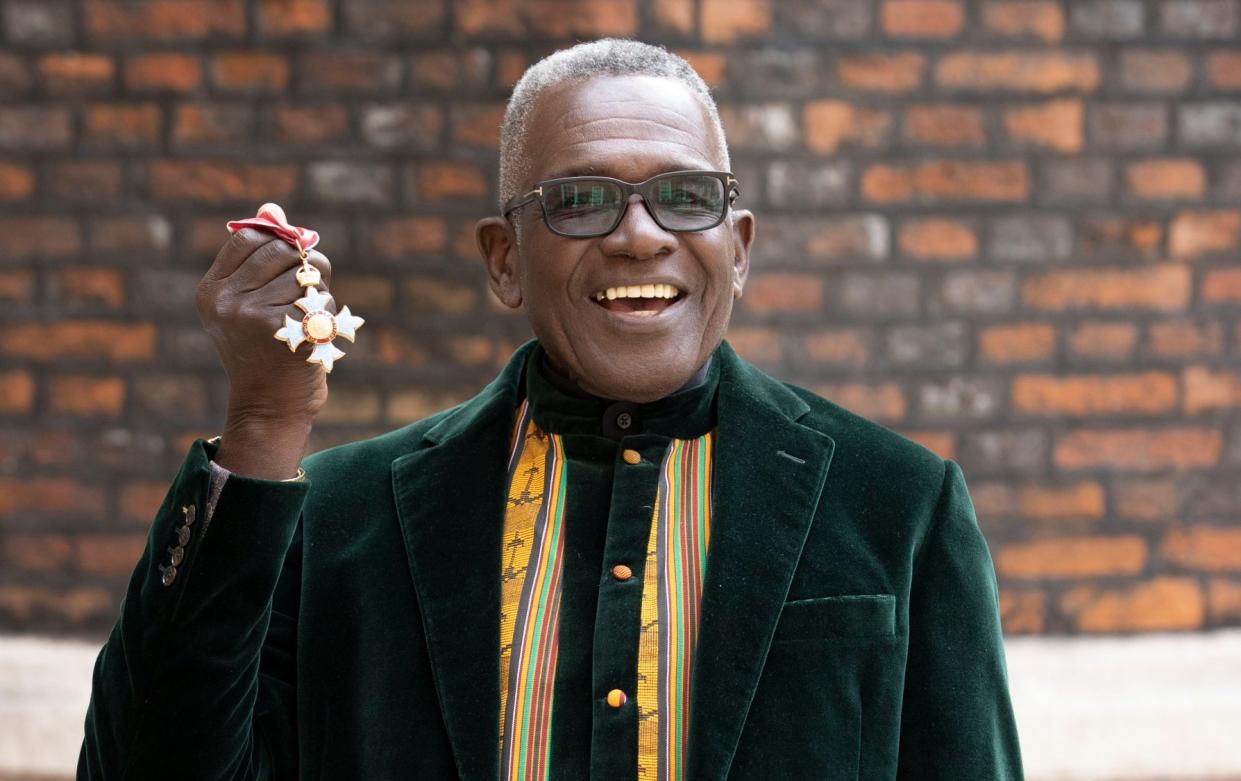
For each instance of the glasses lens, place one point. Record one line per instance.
(688, 201)
(583, 207)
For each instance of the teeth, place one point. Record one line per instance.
(657, 290)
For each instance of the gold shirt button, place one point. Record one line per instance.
(621, 572)
(631, 456)
(616, 698)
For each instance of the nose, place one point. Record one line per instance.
(638, 235)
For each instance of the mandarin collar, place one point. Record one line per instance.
(559, 406)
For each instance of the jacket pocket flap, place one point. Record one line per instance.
(854, 615)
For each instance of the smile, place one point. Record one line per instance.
(643, 300)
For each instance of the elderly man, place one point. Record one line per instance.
(631, 555)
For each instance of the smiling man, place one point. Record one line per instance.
(632, 555)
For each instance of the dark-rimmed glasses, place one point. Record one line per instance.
(579, 207)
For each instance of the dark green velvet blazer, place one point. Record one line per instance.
(347, 626)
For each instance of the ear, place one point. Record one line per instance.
(743, 238)
(497, 242)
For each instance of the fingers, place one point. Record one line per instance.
(273, 259)
(284, 289)
(239, 246)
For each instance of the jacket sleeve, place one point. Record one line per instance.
(197, 679)
(957, 719)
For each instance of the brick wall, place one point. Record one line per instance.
(1015, 240)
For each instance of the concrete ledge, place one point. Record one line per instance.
(1089, 709)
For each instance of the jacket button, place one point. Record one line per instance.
(176, 555)
(621, 572)
(170, 574)
(183, 535)
(617, 698)
(190, 513)
(631, 456)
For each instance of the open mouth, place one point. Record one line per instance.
(648, 299)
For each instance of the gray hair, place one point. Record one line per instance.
(605, 57)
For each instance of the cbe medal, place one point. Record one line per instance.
(318, 326)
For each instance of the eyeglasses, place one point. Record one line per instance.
(583, 206)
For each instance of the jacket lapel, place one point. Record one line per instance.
(450, 500)
(769, 473)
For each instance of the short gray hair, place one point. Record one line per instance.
(605, 57)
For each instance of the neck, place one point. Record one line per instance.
(565, 384)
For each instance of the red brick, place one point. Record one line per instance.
(401, 237)
(944, 125)
(1072, 557)
(250, 71)
(14, 75)
(1200, 233)
(948, 180)
(389, 21)
(318, 124)
(1139, 449)
(366, 292)
(408, 406)
(1155, 71)
(285, 18)
(165, 20)
(43, 496)
(23, 604)
(1161, 604)
(1222, 286)
(1180, 338)
(84, 181)
(220, 123)
(831, 124)
(221, 182)
(882, 401)
(16, 391)
(937, 238)
(1210, 548)
(1207, 390)
(1041, 72)
(882, 72)
(724, 21)
(108, 554)
(351, 406)
(941, 443)
(922, 18)
(757, 345)
(1145, 393)
(163, 72)
(79, 339)
(140, 500)
(137, 235)
(129, 125)
(551, 18)
(87, 396)
(1023, 612)
(1017, 343)
(23, 238)
(1224, 69)
(1103, 340)
(89, 285)
(444, 180)
(1166, 179)
(1056, 125)
(711, 66)
(1080, 501)
(425, 293)
(37, 552)
(478, 126)
(1146, 499)
(16, 181)
(1163, 288)
(17, 287)
(837, 346)
(887, 184)
(675, 16)
(74, 72)
(1224, 597)
(783, 292)
(1039, 19)
(350, 70)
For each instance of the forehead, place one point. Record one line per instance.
(628, 127)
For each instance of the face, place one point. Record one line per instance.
(636, 349)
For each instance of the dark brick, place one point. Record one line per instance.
(351, 183)
(797, 185)
(1200, 18)
(974, 292)
(1128, 125)
(1030, 237)
(169, 397)
(1216, 124)
(349, 71)
(759, 127)
(403, 127)
(877, 295)
(385, 20)
(1076, 180)
(839, 19)
(928, 345)
(212, 124)
(34, 128)
(38, 22)
(959, 398)
(166, 291)
(1018, 450)
(1106, 18)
